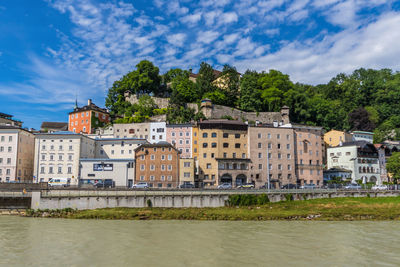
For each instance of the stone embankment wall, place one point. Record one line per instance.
(83, 200)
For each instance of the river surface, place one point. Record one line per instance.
(60, 242)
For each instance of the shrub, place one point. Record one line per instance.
(247, 200)
(149, 203)
(289, 197)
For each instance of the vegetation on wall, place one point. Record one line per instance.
(367, 99)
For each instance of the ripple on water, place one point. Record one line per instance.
(49, 242)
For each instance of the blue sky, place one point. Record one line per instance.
(51, 51)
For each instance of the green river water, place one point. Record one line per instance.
(60, 242)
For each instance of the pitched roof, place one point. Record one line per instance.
(62, 126)
(92, 106)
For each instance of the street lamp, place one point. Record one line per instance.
(268, 179)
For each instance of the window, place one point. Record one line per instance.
(259, 145)
(69, 169)
(205, 145)
(278, 136)
(170, 167)
(226, 145)
(237, 135)
(234, 155)
(162, 177)
(10, 139)
(152, 167)
(225, 155)
(243, 155)
(347, 153)
(280, 167)
(59, 169)
(173, 134)
(51, 157)
(213, 135)
(225, 135)
(141, 177)
(259, 135)
(9, 149)
(269, 145)
(186, 164)
(152, 157)
(259, 155)
(212, 155)
(60, 157)
(279, 146)
(169, 177)
(69, 157)
(260, 166)
(204, 155)
(163, 167)
(287, 146)
(288, 156)
(151, 177)
(269, 136)
(50, 169)
(289, 167)
(170, 157)
(142, 167)
(41, 169)
(43, 158)
(162, 157)
(270, 166)
(205, 135)
(208, 165)
(288, 137)
(213, 145)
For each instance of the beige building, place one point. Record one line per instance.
(154, 132)
(186, 171)
(334, 138)
(271, 151)
(309, 150)
(223, 153)
(16, 154)
(6, 119)
(57, 155)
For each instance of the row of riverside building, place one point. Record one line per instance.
(205, 153)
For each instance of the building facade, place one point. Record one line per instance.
(157, 164)
(363, 136)
(180, 135)
(7, 119)
(87, 118)
(132, 130)
(309, 151)
(186, 171)
(57, 155)
(117, 148)
(121, 171)
(360, 157)
(223, 153)
(271, 151)
(16, 154)
(334, 138)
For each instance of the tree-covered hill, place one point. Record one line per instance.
(366, 99)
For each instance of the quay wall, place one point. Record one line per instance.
(86, 200)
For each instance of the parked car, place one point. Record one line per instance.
(246, 186)
(186, 185)
(108, 183)
(141, 185)
(225, 186)
(353, 186)
(308, 186)
(289, 186)
(380, 187)
(58, 182)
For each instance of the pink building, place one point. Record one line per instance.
(180, 136)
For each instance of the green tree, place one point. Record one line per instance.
(250, 93)
(183, 91)
(205, 78)
(393, 166)
(230, 83)
(175, 73)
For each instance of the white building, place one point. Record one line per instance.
(361, 158)
(158, 132)
(16, 154)
(57, 155)
(117, 148)
(363, 136)
(121, 171)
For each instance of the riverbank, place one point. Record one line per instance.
(333, 209)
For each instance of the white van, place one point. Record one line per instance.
(53, 182)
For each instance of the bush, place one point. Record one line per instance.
(289, 197)
(149, 203)
(247, 200)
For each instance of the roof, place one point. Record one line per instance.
(223, 124)
(4, 115)
(159, 144)
(337, 169)
(106, 160)
(60, 133)
(121, 139)
(54, 125)
(12, 127)
(362, 132)
(356, 143)
(216, 73)
(92, 107)
(180, 125)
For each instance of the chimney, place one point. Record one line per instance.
(89, 102)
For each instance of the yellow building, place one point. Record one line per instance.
(334, 138)
(223, 154)
(186, 171)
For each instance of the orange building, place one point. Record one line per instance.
(87, 118)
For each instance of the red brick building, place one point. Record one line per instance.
(158, 165)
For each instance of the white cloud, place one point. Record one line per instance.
(342, 52)
(207, 36)
(228, 17)
(192, 19)
(176, 39)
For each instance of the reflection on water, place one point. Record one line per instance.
(59, 242)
